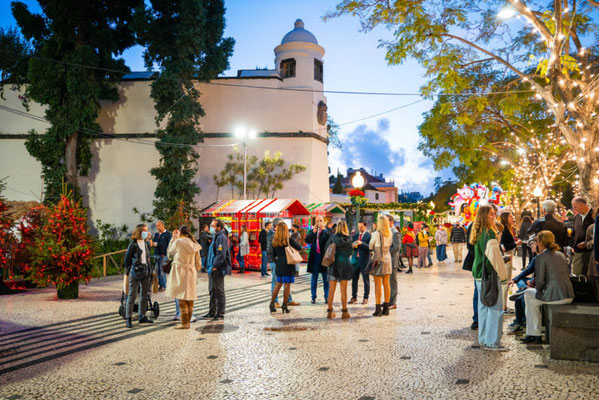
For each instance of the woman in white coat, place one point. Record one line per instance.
(184, 251)
(244, 248)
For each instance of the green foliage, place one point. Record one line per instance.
(111, 238)
(184, 38)
(7, 237)
(338, 188)
(264, 177)
(14, 59)
(333, 133)
(421, 207)
(71, 33)
(444, 192)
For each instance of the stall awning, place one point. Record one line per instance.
(277, 206)
(237, 206)
(325, 208)
(215, 208)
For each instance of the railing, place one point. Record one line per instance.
(109, 255)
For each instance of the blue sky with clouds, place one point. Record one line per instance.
(353, 62)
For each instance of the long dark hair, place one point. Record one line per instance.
(186, 232)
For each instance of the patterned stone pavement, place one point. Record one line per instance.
(80, 349)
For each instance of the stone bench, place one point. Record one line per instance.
(573, 331)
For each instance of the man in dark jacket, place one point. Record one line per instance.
(161, 240)
(582, 220)
(219, 266)
(550, 223)
(205, 241)
(264, 247)
(360, 259)
(317, 239)
(458, 238)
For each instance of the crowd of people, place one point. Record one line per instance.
(550, 252)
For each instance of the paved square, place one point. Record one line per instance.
(80, 349)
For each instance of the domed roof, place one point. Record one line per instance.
(299, 34)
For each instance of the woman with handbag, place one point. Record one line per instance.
(137, 268)
(380, 265)
(285, 267)
(184, 251)
(489, 273)
(409, 240)
(341, 269)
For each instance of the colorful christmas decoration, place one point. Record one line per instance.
(466, 201)
(30, 229)
(63, 251)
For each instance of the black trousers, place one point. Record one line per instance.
(216, 288)
(526, 251)
(356, 272)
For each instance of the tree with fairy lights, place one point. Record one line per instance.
(29, 229)
(63, 251)
(557, 37)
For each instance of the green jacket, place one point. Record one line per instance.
(479, 252)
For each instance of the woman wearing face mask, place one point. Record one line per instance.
(137, 267)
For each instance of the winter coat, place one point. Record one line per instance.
(282, 268)
(311, 240)
(342, 267)
(244, 244)
(181, 281)
(221, 258)
(375, 246)
(134, 254)
(487, 247)
(205, 240)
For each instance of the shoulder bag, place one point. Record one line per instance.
(375, 264)
(489, 287)
(329, 255)
(293, 256)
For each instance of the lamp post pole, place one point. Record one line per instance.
(357, 182)
(245, 166)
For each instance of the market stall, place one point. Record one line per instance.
(332, 212)
(253, 214)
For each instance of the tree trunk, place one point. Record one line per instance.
(588, 171)
(70, 159)
(70, 291)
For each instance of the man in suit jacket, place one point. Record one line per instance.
(317, 239)
(395, 254)
(361, 240)
(582, 220)
(550, 223)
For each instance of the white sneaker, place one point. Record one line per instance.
(193, 318)
(494, 348)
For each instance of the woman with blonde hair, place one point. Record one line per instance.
(184, 251)
(487, 257)
(380, 243)
(552, 284)
(341, 270)
(285, 272)
(137, 268)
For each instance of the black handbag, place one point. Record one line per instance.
(584, 291)
(166, 267)
(489, 287)
(374, 267)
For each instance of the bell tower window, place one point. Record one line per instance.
(318, 70)
(288, 68)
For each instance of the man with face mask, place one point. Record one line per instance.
(161, 240)
(219, 265)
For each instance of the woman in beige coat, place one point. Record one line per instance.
(380, 243)
(184, 251)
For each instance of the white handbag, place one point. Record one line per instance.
(293, 256)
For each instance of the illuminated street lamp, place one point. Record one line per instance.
(357, 182)
(538, 193)
(245, 134)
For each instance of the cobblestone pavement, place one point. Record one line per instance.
(80, 349)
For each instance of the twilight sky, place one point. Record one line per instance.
(387, 143)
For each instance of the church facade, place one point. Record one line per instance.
(285, 106)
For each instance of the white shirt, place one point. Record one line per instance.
(142, 245)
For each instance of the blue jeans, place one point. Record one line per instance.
(160, 260)
(490, 320)
(317, 269)
(241, 263)
(264, 266)
(273, 282)
(177, 309)
(204, 262)
(475, 303)
(441, 252)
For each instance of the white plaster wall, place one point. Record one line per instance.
(22, 172)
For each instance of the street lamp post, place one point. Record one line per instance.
(244, 133)
(538, 193)
(357, 182)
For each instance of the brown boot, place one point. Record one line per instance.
(185, 315)
(330, 313)
(345, 314)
